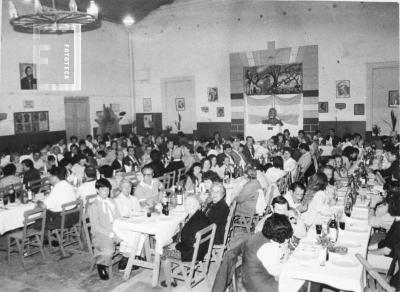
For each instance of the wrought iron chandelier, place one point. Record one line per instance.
(50, 20)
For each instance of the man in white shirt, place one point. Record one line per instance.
(62, 192)
(88, 187)
(289, 164)
(126, 203)
(37, 160)
(78, 169)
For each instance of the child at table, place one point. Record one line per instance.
(102, 213)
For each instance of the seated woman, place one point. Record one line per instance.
(217, 210)
(125, 202)
(330, 188)
(275, 172)
(102, 213)
(248, 196)
(264, 253)
(214, 166)
(193, 178)
(208, 177)
(205, 165)
(9, 177)
(319, 199)
(184, 249)
(378, 252)
(340, 171)
(295, 197)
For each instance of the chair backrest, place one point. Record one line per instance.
(68, 209)
(229, 222)
(181, 174)
(46, 185)
(165, 180)
(30, 217)
(88, 200)
(207, 234)
(172, 176)
(36, 185)
(375, 281)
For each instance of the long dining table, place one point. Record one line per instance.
(343, 272)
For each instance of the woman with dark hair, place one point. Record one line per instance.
(275, 172)
(214, 166)
(9, 177)
(330, 188)
(319, 203)
(193, 178)
(264, 253)
(205, 165)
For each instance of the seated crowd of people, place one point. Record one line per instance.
(91, 166)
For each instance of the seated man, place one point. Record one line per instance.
(392, 173)
(117, 164)
(184, 248)
(147, 191)
(61, 193)
(102, 213)
(78, 169)
(126, 203)
(217, 211)
(107, 172)
(177, 162)
(88, 187)
(289, 164)
(31, 174)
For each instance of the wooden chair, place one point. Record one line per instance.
(374, 281)
(195, 271)
(46, 185)
(28, 240)
(88, 235)
(36, 185)
(219, 249)
(172, 176)
(88, 200)
(244, 221)
(181, 175)
(165, 180)
(69, 232)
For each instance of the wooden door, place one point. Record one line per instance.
(77, 117)
(384, 78)
(179, 91)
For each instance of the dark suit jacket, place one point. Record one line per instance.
(335, 140)
(117, 165)
(158, 168)
(174, 166)
(32, 175)
(218, 213)
(393, 171)
(25, 84)
(129, 161)
(188, 237)
(70, 156)
(248, 154)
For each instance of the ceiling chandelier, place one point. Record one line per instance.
(50, 20)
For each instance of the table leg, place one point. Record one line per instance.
(156, 270)
(129, 265)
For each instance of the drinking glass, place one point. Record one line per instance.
(342, 225)
(318, 228)
(5, 201)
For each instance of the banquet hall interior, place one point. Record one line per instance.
(199, 145)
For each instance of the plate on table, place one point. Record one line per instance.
(349, 244)
(305, 256)
(344, 262)
(356, 229)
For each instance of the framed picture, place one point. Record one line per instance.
(323, 107)
(147, 106)
(180, 104)
(212, 93)
(31, 122)
(220, 112)
(342, 88)
(147, 121)
(393, 100)
(359, 109)
(205, 109)
(27, 75)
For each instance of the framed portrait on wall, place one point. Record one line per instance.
(147, 106)
(359, 109)
(342, 88)
(220, 112)
(27, 75)
(180, 104)
(323, 107)
(31, 122)
(147, 121)
(212, 93)
(393, 100)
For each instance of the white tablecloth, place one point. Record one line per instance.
(161, 226)
(13, 217)
(297, 270)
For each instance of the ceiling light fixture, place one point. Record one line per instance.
(50, 20)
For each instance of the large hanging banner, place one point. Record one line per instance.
(267, 115)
